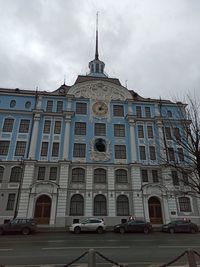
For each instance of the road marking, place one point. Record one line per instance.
(88, 247)
(6, 249)
(56, 241)
(188, 246)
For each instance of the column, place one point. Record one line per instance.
(89, 194)
(111, 192)
(34, 136)
(23, 209)
(62, 195)
(161, 140)
(67, 136)
(132, 139)
(53, 209)
(137, 192)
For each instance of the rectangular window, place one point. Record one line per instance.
(4, 147)
(140, 131)
(55, 150)
(138, 112)
(150, 131)
(152, 152)
(59, 107)
(175, 178)
(1, 174)
(47, 126)
(80, 128)
(44, 149)
(119, 130)
(49, 107)
(142, 152)
(53, 173)
(147, 112)
(155, 176)
(177, 133)
(79, 150)
(185, 205)
(20, 148)
(81, 108)
(11, 202)
(118, 110)
(8, 125)
(180, 154)
(168, 133)
(100, 129)
(144, 174)
(120, 151)
(41, 173)
(171, 154)
(57, 127)
(24, 126)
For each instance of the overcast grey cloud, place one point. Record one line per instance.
(153, 44)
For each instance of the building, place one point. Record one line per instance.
(91, 149)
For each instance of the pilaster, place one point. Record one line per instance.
(34, 136)
(111, 194)
(89, 196)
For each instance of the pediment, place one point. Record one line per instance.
(100, 90)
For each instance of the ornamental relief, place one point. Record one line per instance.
(100, 90)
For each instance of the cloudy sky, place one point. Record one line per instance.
(154, 45)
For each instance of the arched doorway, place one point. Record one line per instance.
(43, 209)
(155, 211)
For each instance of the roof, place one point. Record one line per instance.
(82, 78)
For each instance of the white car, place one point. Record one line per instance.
(92, 224)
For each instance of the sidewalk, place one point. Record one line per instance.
(46, 229)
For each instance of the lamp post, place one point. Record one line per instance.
(19, 189)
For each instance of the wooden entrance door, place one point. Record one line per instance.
(155, 211)
(43, 209)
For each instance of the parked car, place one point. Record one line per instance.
(92, 224)
(24, 226)
(133, 226)
(183, 226)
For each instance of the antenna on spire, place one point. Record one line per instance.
(97, 52)
(64, 79)
(126, 83)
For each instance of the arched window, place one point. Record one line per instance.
(16, 174)
(77, 205)
(78, 175)
(100, 176)
(121, 176)
(1, 173)
(184, 204)
(12, 103)
(122, 206)
(100, 205)
(169, 114)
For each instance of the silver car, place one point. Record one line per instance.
(92, 224)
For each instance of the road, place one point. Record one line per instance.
(62, 248)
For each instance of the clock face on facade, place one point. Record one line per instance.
(100, 108)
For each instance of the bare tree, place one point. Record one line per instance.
(183, 131)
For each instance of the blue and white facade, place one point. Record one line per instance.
(90, 149)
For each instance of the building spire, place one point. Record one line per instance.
(97, 66)
(96, 51)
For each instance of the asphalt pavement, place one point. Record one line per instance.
(61, 248)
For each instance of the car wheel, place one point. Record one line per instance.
(122, 230)
(146, 230)
(26, 231)
(171, 230)
(192, 231)
(99, 230)
(77, 230)
(1, 231)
